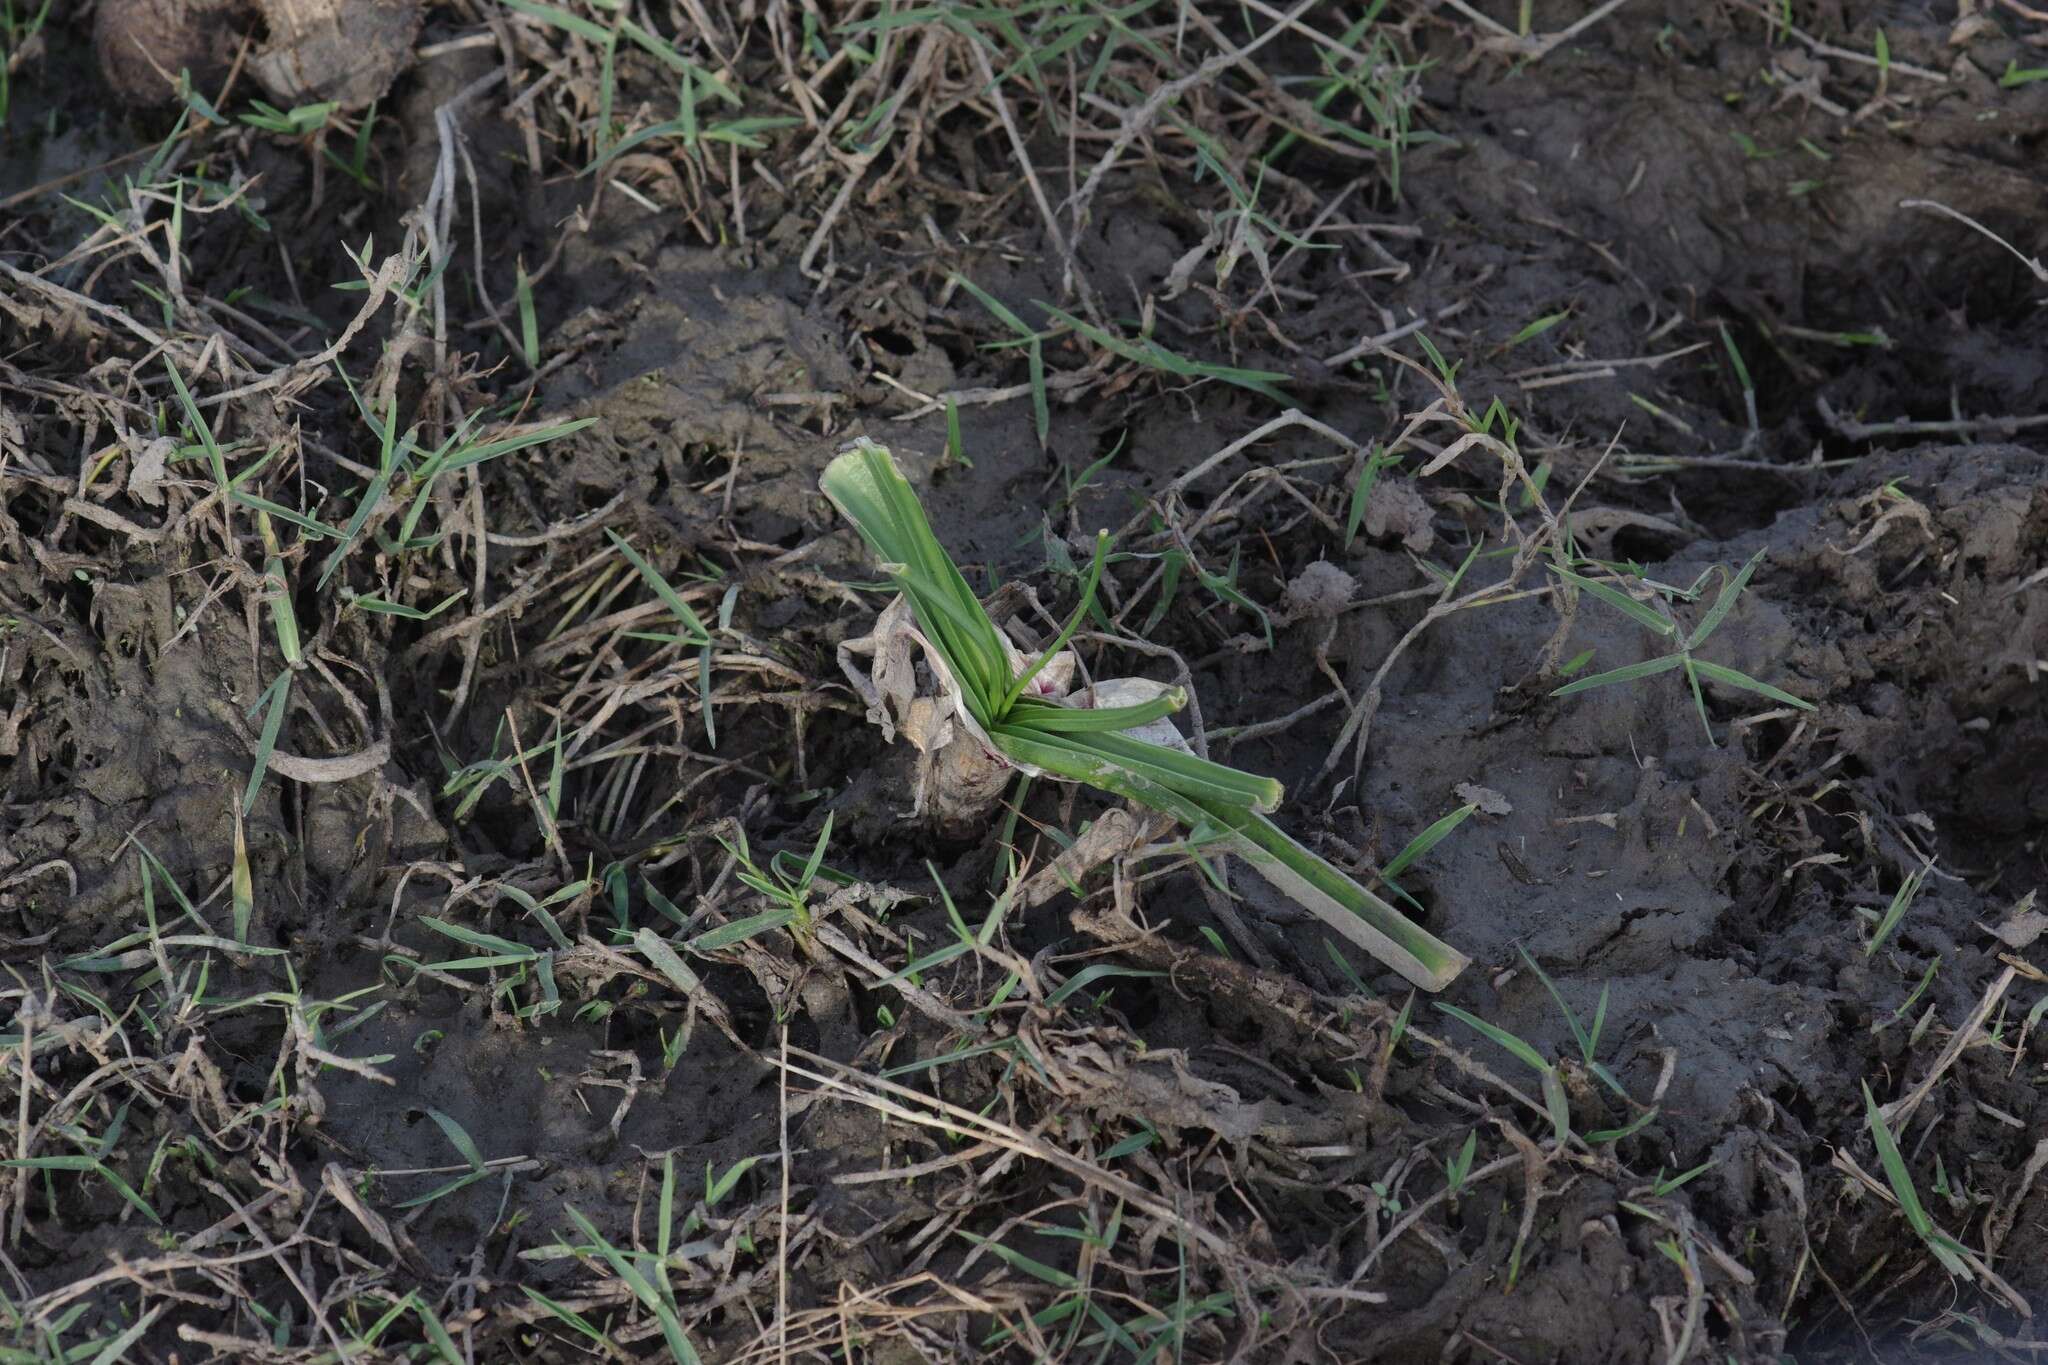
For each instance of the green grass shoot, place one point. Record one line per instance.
(1221, 805)
(1683, 658)
(1944, 1247)
(1901, 902)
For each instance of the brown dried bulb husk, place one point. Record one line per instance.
(312, 51)
(348, 51)
(143, 44)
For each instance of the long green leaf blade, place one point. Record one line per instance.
(1178, 772)
(696, 632)
(1629, 673)
(1724, 603)
(1427, 840)
(1033, 713)
(869, 491)
(1720, 673)
(1527, 1055)
(1644, 614)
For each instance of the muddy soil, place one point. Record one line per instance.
(418, 1046)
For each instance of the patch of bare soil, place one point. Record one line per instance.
(456, 907)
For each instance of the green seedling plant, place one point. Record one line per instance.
(965, 939)
(1221, 585)
(1222, 807)
(1150, 1335)
(646, 1272)
(310, 123)
(1364, 67)
(1361, 490)
(1240, 231)
(692, 633)
(302, 120)
(1151, 355)
(1901, 902)
(465, 1146)
(1458, 1169)
(690, 130)
(1587, 1037)
(1685, 655)
(1945, 1249)
(1912, 998)
(785, 882)
(1420, 845)
(1667, 1185)
(1554, 1101)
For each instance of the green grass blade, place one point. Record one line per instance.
(373, 495)
(569, 1317)
(725, 935)
(82, 1164)
(1360, 916)
(1628, 673)
(437, 1333)
(1529, 1056)
(561, 18)
(116, 1351)
(1720, 673)
(1642, 613)
(491, 450)
(1425, 841)
(529, 324)
(315, 529)
(280, 694)
(1017, 1260)
(995, 306)
(458, 1138)
(1152, 355)
(1901, 901)
(1087, 759)
(1050, 717)
(1536, 328)
(1023, 679)
(869, 491)
(1901, 1181)
(817, 857)
(671, 1328)
(695, 631)
(1361, 494)
(1725, 603)
(214, 458)
(1364, 918)
(1100, 971)
(1041, 411)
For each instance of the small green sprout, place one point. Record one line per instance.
(783, 881)
(1554, 1101)
(1219, 805)
(1901, 902)
(1661, 623)
(1945, 1248)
